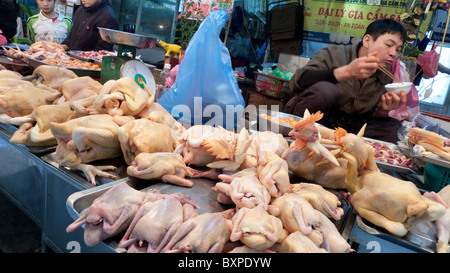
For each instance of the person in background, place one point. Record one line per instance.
(85, 35)
(48, 25)
(344, 83)
(8, 23)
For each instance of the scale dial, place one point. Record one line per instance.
(138, 71)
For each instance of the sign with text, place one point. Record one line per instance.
(345, 21)
(439, 26)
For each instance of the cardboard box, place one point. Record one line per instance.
(288, 46)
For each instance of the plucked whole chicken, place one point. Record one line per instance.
(89, 121)
(109, 214)
(443, 223)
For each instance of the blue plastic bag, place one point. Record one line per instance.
(205, 89)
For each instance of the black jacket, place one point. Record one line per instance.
(85, 35)
(8, 22)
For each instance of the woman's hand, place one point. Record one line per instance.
(390, 101)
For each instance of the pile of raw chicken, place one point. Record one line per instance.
(47, 50)
(88, 121)
(51, 53)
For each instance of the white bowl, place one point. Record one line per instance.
(397, 87)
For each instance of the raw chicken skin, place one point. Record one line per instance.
(84, 140)
(155, 112)
(307, 135)
(52, 76)
(308, 158)
(123, 97)
(333, 241)
(8, 83)
(273, 172)
(203, 144)
(272, 142)
(206, 233)
(8, 74)
(297, 242)
(22, 100)
(321, 199)
(388, 202)
(36, 131)
(297, 214)
(167, 166)
(256, 228)
(314, 167)
(243, 191)
(443, 223)
(145, 136)
(356, 146)
(154, 225)
(238, 155)
(79, 88)
(109, 214)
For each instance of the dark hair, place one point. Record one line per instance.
(384, 26)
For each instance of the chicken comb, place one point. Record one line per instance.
(339, 133)
(310, 119)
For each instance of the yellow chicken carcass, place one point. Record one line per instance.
(307, 135)
(297, 214)
(51, 76)
(356, 146)
(431, 141)
(86, 139)
(145, 136)
(79, 88)
(167, 166)
(21, 101)
(155, 112)
(298, 242)
(123, 97)
(36, 130)
(8, 74)
(388, 202)
(8, 83)
(321, 199)
(308, 158)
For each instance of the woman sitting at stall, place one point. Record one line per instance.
(88, 18)
(48, 25)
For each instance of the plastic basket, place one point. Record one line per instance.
(271, 86)
(435, 177)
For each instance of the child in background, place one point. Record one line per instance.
(48, 25)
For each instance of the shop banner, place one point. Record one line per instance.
(345, 21)
(439, 26)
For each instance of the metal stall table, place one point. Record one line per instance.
(22, 176)
(40, 188)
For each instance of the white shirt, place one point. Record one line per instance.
(46, 30)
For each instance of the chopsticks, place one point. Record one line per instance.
(387, 72)
(384, 70)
